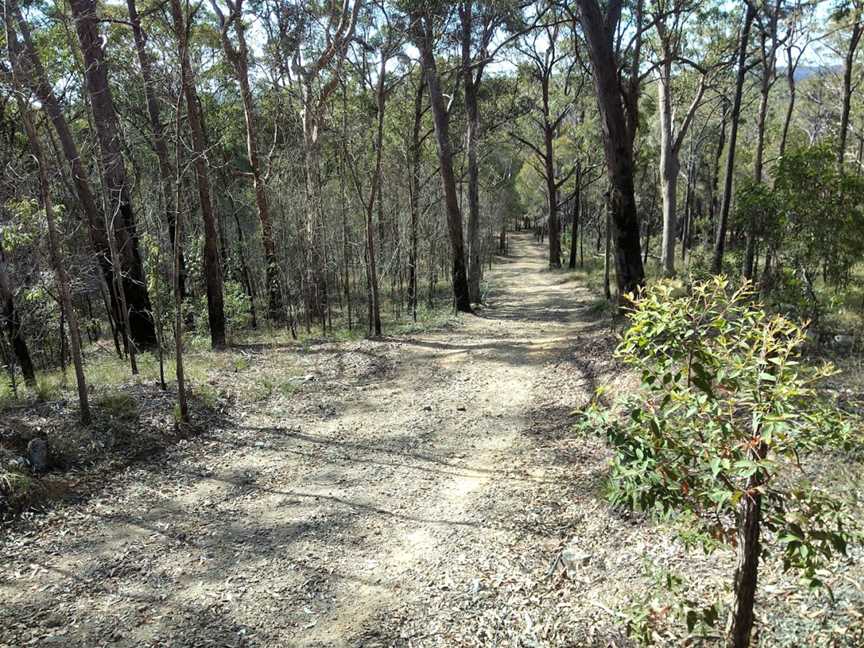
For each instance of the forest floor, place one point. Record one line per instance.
(405, 491)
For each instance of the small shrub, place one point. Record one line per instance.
(715, 437)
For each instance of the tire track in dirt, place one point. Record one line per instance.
(318, 523)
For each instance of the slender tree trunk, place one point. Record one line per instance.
(212, 263)
(790, 106)
(182, 401)
(669, 169)
(12, 323)
(618, 148)
(239, 59)
(116, 185)
(58, 263)
(577, 204)
(606, 253)
(374, 302)
(154, 113)
(472, 136)
(758, 164)
(414, 184)
(848, 63)
(715, 176)
(445, 159)
(316, 288)
(720, 240)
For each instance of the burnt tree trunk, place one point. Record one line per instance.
(441, 119)
(212, 264)
(617, 141)
(116, 186)
(12, 323)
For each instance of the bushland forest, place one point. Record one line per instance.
(409, 323)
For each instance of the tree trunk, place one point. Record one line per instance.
(182, 404)
(441, 119)
(715, 175)
(58, 263)
(848, 62)
(669, 169)
(116, 185)
(790, 106)
(27, 67)
(212, 263)
(577, 204)
(159, 146)
(472, 136)
(371, 268)
(414, 184)
(720, 240)
(758, 168)
(13, 325)
(618, 148)
(746, 571)
(239, 59)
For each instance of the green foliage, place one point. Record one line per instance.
(237, 311)
(726, 411)
(811, 221)
(669, 598)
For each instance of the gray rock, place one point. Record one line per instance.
(16, 463)
(573, 558)
(844, 341)
(37, 453)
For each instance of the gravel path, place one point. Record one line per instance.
(355, 511)
(412, 491)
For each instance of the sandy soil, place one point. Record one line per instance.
(414, 491)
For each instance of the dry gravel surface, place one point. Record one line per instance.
(411, 491)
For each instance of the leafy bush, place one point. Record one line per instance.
(717, 433)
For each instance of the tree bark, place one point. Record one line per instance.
(414, 184)
(239, 58)
(445, 159)
(577, 204)
(119, 204)
(212, 263)
(58, 263)
(12, 322)
(371, 267)
(617, 141)
(720, 240)
(669, 168)
(848, 62)
(159, 145)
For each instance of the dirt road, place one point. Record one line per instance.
(412, 491)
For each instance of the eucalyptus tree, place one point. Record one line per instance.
(670, 18)
(317, 72)
(181, 19)
(424, 19)
(850, 14)
(56, 255)
(119, 213)
(734, 116)
(27, 66)
(238, 57)
(549, 62)
(768, 17)
(616, 67)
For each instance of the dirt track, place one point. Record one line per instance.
(354, 512)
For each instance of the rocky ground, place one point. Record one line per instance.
(422, 490)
